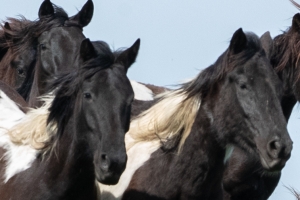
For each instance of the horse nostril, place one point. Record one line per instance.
(104, 162)
(274, 148)
(275, 145)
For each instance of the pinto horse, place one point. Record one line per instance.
(83, 140)
(177, 148)
(244, 177)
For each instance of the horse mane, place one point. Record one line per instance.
(286, 50)
(169, 122)
(32, 129)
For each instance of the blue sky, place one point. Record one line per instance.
(178, 39)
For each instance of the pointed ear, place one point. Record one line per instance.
(7, 27)
(84, 16)
(296, 22)
(238, 41)
(87, 50)
(46, 9)
(267, 44)
(127, 57)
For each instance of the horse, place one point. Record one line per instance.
(178, 147)
(244, 177)
(14, 63)
(77, 137)
(56, 39)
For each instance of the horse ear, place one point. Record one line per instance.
(296, 22)
(84, 16)
(127, 57)
(238, 41)
(267, 43)
(87, 50)
(7, 27)
(46, 9)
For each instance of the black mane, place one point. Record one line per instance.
(204, 82)
(286, 50)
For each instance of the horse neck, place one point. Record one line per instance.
(205, 152)
(72, 162)
(199, 165)
(38, 87)
(288, 101)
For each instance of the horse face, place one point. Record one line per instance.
(58, 47)
(112, 95)
(253, 118)
(107, 98)
(21, 64)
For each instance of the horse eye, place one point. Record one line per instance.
(243, 86)
(20, 71)
(42, 46)
(87, 95)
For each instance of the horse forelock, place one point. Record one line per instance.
(168, 121)
(33, 130)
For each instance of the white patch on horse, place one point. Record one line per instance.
(10, 112)
(137, 156)
(228, 152)
(141, 92)
(18, 158)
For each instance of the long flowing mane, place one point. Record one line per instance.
(42, 127)
(170, 120)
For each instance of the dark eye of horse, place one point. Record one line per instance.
(87, 95)
(42, 46)
(243, 86)
(20, 72)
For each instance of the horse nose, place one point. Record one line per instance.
(279, 153)
(104, 162)
(112, 163)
